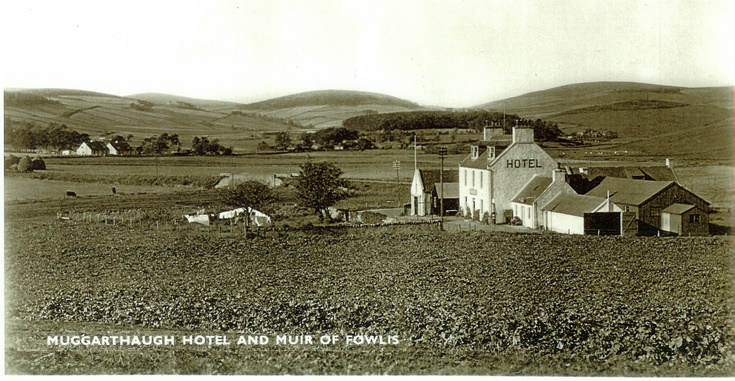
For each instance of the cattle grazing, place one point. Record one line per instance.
(71, 194)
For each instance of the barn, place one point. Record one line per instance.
(92, 149)
(647, 200)
(422, 187)
(488, 183)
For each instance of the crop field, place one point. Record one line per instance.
(446, 303)
(371, 164)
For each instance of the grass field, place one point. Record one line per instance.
(458, 303)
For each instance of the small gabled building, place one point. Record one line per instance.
(422, 187)
(524, 203)
(92, 148)
(450, 196)
(684, 219)
(647, 200)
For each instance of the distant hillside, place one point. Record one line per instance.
(328, 108)
(63, 92)
(643, 115)
(330, 98)
(164, 99)
(105, 115)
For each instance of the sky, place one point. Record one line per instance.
(435, 53)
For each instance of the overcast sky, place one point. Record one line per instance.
(447, 53)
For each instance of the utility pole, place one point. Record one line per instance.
(442, 153)
(397, 166)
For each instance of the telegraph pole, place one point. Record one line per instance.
(442, 153)
(397, 166)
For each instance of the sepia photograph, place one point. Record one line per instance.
(337, 187)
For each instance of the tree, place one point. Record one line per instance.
(282, 140)
(250, 194)
(320, 186)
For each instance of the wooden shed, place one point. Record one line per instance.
(684, 219)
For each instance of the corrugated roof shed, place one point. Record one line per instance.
(629, 192)
(574, 204)
(451, 189)
(431, 176)
(678, 208)
(532, 190)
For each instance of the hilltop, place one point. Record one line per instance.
(649, 119)
(328, 108)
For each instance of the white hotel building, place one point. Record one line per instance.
(488, 183)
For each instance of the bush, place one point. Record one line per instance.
(372, 217)
(11, 160)
(485, 218)
(37, 164)
(24, 165)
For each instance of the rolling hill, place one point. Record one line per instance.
(649, 119)
(328, 108)
(234, 124)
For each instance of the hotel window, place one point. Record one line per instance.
(473, 178)
(465, 177)
(480, 179)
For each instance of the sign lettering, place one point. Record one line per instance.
(523, 163)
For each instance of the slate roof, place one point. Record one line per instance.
(429, 177)
(651, 173)
(480, 162)
(96, 146)
(452, 190)
(532, 190)
(629, 192)
(574, 204)
(678, 208)
(498, 141)
(121, 146)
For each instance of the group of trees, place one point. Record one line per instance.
(158, 144)
(28, 135)
(318, 186)
(22, 99)
(421, 120)
(142, 106)
(202, 146)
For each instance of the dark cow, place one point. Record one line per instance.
(71, 194)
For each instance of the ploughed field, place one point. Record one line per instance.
(469, 303)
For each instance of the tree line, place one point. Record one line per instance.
(421, 120)
(29, 135)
